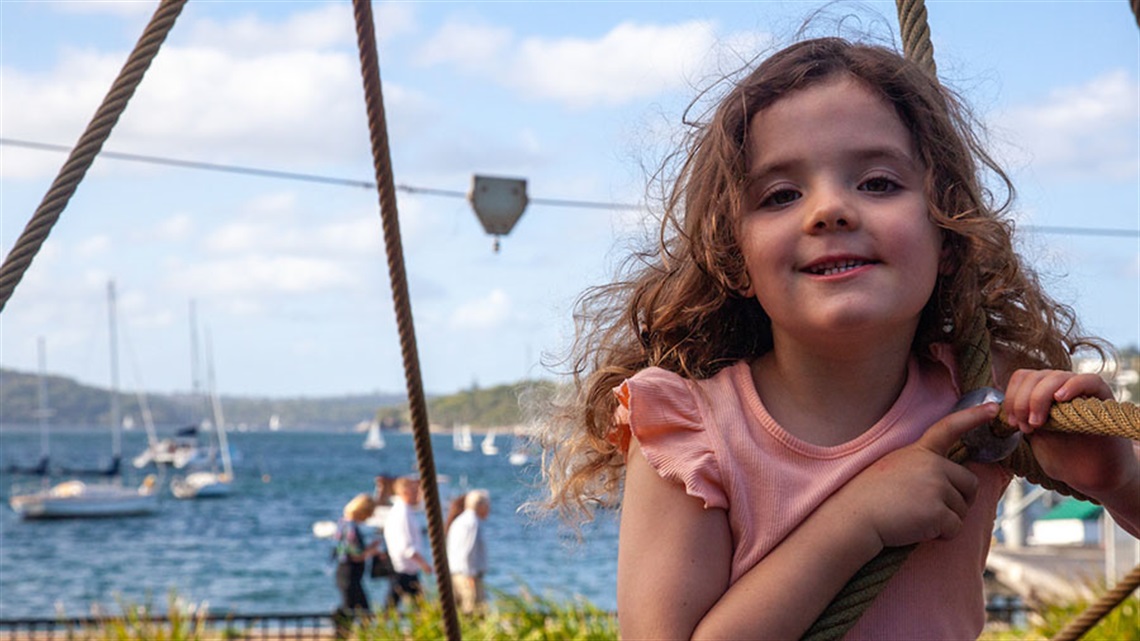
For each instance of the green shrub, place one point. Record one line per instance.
(525, 617)
(1122, 624)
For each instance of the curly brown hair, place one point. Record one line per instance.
(679, 306)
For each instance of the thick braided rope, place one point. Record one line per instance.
(1136, 11)
(17, 262)
(973, 356)
(916, 33)
(1084, 622)
(417, 405)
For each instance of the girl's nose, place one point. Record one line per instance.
(830, 211)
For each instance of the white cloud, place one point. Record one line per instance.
(93, 246)
(175, 228)
(1088, 131)
(108, 7)
(257, 275)
(475, 47)
(484, 313)
(270, 224)
(242, 92)
(630, 62)
(328, 25)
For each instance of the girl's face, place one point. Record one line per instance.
(835, 233)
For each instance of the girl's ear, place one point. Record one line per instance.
(747, 290)
(947, 262)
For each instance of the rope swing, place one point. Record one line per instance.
(17, 262)
(417, 405)
(1083, 416)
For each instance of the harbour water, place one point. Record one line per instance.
(254, 551)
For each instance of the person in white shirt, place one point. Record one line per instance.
(404, 536)
(467, 551)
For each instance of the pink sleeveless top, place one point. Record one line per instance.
(715, 437)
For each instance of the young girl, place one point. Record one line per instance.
(773, 387)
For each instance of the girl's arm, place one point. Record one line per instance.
(1104, 467)
(674, 556)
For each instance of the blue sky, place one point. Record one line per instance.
(579, 98)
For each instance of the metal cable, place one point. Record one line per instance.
(17, 262)
(417, 405)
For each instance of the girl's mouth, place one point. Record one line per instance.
(831, 268)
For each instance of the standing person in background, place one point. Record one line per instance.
(352, 554)
(467, 551)
(404, 536)
(454, 509)
(384, 489)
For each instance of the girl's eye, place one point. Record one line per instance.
(780, 197)
(879, 184)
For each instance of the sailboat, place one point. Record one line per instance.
(375, 438)
(179, 451)
(488, 445)
(79, 499)
(461, 438)
(42, 415)
(209, 484)
(519, 456)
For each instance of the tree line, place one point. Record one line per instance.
(71, 403)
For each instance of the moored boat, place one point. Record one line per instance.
(77, 499)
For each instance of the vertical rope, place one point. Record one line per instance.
(915, 33)
(1136, 11)
(417, 406)
(973, 357)
(17, 262)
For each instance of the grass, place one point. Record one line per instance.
(1122, 624)
(529, 617)
(525, 617)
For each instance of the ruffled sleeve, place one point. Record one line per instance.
(659, 408)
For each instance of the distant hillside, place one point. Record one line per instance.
(72, 403)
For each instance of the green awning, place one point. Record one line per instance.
(1073, 509)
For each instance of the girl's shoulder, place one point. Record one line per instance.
(658, 399)
(670, 417)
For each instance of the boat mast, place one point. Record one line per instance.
(195, 381)
(42, 390)
(219, 417)
(116, 420)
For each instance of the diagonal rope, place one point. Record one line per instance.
(417, 405)
(1084, 622)
(17, 262)
(1086, 416)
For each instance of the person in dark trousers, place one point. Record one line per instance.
(352, 554)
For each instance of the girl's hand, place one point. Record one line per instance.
(915, 493)
(1094, 465)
